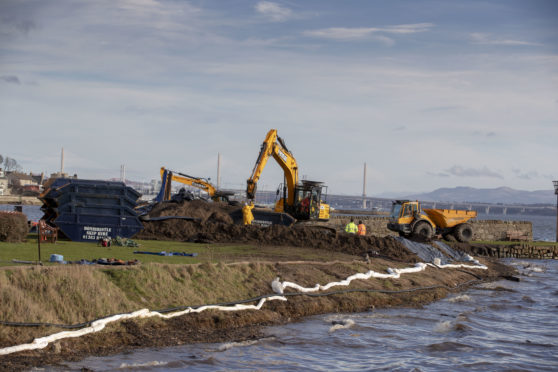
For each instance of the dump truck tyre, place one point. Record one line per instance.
(463, 232)
(422, 230)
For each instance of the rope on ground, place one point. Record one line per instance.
(277, 286)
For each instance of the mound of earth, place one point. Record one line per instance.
(214, 225)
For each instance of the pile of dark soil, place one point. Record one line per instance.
(205, 211)
(216, 226)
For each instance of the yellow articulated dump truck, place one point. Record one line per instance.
(409, 220)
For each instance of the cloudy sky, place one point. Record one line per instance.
(430, 94)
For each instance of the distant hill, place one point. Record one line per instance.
(504, 195)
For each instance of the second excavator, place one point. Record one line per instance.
(300, 199)
(203, 184)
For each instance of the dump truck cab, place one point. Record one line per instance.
(410, 220)
(406, 215)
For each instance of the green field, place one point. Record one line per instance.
(75, 251)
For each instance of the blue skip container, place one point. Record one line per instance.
(91, 210)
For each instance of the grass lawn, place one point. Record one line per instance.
(75, 251)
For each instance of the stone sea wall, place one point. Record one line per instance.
(482, 229)
(501, 230)
(522, 250)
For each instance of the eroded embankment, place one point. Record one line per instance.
(75, 294)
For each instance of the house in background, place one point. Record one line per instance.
(23, 184)
(3, 183)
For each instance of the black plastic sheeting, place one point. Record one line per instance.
(454, 254)
(428, 253)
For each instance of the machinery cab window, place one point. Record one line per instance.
(395, 210)
(407, 211)
(410, 210)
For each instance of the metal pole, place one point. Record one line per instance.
(556, 192)
(364, 189)
(218, 170)
(62, 162)
(39, 240)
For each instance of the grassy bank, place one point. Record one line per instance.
(70, 294)
(74, 293)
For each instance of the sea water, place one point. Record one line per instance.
(497, 326)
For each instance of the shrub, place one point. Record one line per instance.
(13, 227)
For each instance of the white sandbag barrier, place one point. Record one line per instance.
(277, 287)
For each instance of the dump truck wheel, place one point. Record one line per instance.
(463, 232)
(422, 230)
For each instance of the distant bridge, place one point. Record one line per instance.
(484, 208)
(369, 203)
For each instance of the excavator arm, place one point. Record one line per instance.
(274, 146)
(168, 176)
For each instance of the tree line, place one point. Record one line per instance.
(10, 164)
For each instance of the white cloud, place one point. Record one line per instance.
(486, 39)
(407, 29)
(273, 11)
(358, 33)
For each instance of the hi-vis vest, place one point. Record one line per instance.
(351, 228)
(361, 229)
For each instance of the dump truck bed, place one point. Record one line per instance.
(449, 217)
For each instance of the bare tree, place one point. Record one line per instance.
(10, 164)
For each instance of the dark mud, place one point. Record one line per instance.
(216, 226)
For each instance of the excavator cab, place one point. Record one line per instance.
(309, 203)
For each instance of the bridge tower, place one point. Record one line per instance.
(556, 192)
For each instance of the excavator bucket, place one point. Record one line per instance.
(264, 218)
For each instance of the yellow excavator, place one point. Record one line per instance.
(168, 176)
(301, 199)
